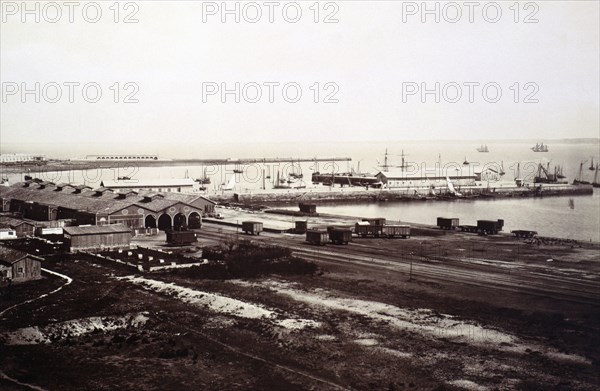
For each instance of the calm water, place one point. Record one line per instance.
(548, 216)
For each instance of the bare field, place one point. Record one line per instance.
(475, 313)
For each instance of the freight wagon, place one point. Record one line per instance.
(252, 227)
(394, 231)
(365, 229)
(447, 223)
(317, 237)
(375, 221)
(181, 238)
(484, 227)
(339, 235)
(522, 233)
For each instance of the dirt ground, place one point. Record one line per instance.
(438, 311)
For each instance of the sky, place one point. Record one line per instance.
(530, 71)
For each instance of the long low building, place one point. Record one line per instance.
(97, 237)
(159, 185)
(46, 201)
(460, 176)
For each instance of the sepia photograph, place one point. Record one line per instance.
(299, 195)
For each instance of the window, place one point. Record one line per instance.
(20, 270)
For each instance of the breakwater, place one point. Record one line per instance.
(384, 195)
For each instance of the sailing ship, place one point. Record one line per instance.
(466, 162)
(540, 148)
(230, 184)
(204, 180)
(483, 148)
(579, 180)
(559, 173)
(592, 167)
(595, 183)
(518, 179)
(502, 172)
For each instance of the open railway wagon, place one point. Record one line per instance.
(396, 231)
(484, 227)
(523, 233)
(339, 235)
(364, 229)
(252, 227)
(181, 238)
(447, 223)
(317, 237)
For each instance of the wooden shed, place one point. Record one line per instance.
(97, 237)
(19, 266)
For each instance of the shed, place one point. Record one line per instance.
(97, 237)
(21, 227)
(17, 265)
(7, 234)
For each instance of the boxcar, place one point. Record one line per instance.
(489, 227)
(252, 227)
(447, 223)
(317, 237)
(339, 235)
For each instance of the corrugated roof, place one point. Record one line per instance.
(8, 256)
(96, 229)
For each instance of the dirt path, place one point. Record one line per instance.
(10, 379)
(68, 281)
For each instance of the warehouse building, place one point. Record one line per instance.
(20, 158)
(460, 176)
(94, 237)
(158, 185)
(19, 266)
(44, 201)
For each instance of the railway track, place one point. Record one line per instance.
(520, 279)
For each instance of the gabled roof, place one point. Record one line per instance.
(9, 256)
(12, 222)
(96, 229)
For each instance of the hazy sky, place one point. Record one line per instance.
(369, 58)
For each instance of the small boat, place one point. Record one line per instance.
(124, 178)
(483, 148)
(595, 183)
(592, 167)
(238, 171)
(540, 148)
(501, 169)
(466, 162)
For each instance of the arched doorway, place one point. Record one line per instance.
(164, 222)
(150, 222)
(180, 222)
(194, 220)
